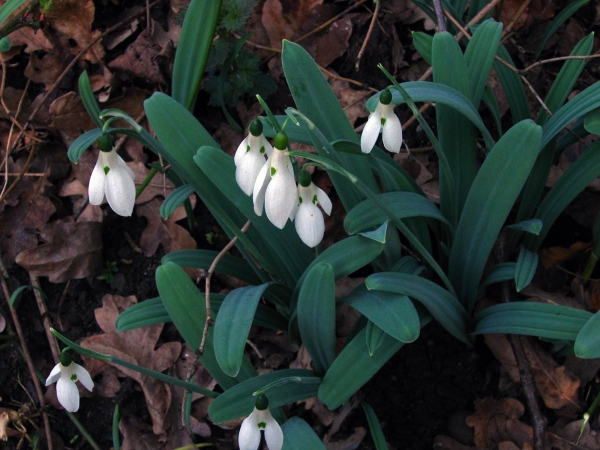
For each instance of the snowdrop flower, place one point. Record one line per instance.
(250, 157)
(112, 177)
(310, 224)
(383, 118)
(66, 372)
(260, 419)
(275, 187)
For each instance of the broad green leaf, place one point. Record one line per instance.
(374, 427)
(525, 268)
(501, 272)
(366, 214)
(238, 401)
(394, 313)
(374, 337)
(532, 319)
(582, 172)
(489, 99)
(592, 122)
(175, 200)
(89, 100)
(316, 315)
(203, 259)
(441, 304)
(479, 56)
(87, 139)
(492, 196)
(233, 324)
(408, 264)
(298, 435)
(587, 343)
(566, 78)
(185, 305)
(315, 99)
(560, 18)
(512, 87)
(533, 226)
(423, 42)
(148, 312)
(195, 41)
(9, 7)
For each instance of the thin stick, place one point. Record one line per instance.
(439, 13)
(368, 36)
(561, 58)
(516, 17)
(45, 317)
(208, 276)
(29, 361)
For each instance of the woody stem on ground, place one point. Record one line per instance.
(439, 13)
(368, 36)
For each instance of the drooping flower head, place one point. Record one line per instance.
(250, 157)
(275, 187)
(112, 177)
(309, 221)
(260, 419)
(382, 120)
(66, 373)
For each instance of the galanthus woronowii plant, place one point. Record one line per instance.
(426, 261)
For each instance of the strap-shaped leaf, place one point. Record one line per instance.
(525, 269)
(366, 214)
(532, 319)
(442, 305)
(185, 305)
(203, 259)
(501, 272)
(560, 18)
(533, 226)
(175, 199)
(375, 427)
(587, 344)
(592, 122)
(148, 312)
(489, 99)
(394, 313)
(298, 435)
(512, 87)
(492, 196)
(374, 337)
(238, 401)
(89, 100)
(195, 41)
(423, 42)
(316, 315)
(233, 324)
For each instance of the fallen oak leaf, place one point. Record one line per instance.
(137, 347)
(491, 418)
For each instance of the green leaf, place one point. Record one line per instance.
(194, 46)
(587, 344)
(492, 196)
(9, 7)
(367, 214)
(525, 268)
(17, 293)
(592, 122)
(82, 143)
(374, 337)
(532, 319)
(423, 43)
(560, 18)
(175, 200)
(233, 324)
(443, 306)
(89, 100)
(148, 312)
(203, 259)
(316, 315)
(489, 99)
(566, 78)
(374, 427)
(501, 272)
(533, 226)
(512, 87)
(238, 401)
(298, 435)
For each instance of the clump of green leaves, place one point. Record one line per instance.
(108, 272)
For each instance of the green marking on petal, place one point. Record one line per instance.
(262, 425)
(315, 201)
(383, 121)
(273, 171)
(299, 199)
(262, 149)
(106, 169)
(247, 148)
(74, 377)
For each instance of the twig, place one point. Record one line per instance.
(45, 317)
(29, 361)
(514, 19)
(439, 13)
(368, 36)
(330, 21)
(561, 58)
(208, 276)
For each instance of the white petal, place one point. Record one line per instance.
(84, 377)
(294, 211)
(392, 134)
(260, 187)
(126, 167)
(310, 225)
(249, 437)
(241, 151)
(67, 392)
(247, 171)
(120, 191)
(323, 200)
(273, 433)
(371, 131)
(96, 186)
(264, 143)
(54, 375)
(281, 195)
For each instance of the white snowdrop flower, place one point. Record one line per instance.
(112, 177)
(309, 221)
(66, 372)
(250, 157)
(260, 419)
(275, 187)
(382, 120)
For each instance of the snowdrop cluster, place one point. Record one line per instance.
(273, 186)
(260, 419)
(112, 177)
(65, 374)
(384, 121)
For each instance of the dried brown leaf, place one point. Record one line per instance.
(447, 443)
(137, 347)
(71, 251)
(490, 419)
(138, 435)
(554, 256)
(282, 20)
(568, 438)
(44, 69)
